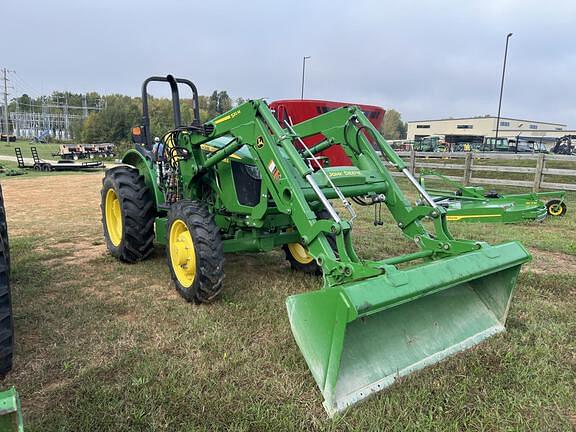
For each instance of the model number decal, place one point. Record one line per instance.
(227, 117)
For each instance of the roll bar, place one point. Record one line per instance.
(175, 103)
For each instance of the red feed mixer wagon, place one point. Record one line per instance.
(296, 111)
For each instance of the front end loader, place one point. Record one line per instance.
(243, 182)
(474, 204)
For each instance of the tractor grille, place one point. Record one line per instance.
(247, 181)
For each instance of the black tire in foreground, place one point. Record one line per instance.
(556, 208)
(195, 252)
(4, 229)
(6, 322)
(128, 213)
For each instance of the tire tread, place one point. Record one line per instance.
(138, 210)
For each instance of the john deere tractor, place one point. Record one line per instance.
(243, 182)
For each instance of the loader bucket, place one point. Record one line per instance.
(358, 338)
(10, 411)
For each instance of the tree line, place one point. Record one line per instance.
(117, 114)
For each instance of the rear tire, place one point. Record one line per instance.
(195, 251)
(299, 259)
(6, 322)
(297, 254)
(556, 208)
(128, 214)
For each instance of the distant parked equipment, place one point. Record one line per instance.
(8, 138)
(519, 144)
(41, 165)
(43, 137)
(564, 145)
(85, 151)
(432, 143)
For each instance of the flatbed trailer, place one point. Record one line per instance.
(63, 165)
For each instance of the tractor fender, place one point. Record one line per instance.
(144, 166)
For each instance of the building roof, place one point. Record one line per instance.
(485, 117)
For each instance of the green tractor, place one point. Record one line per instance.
(243, 182)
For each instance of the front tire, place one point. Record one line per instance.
(195, 251)
(556, 208)
(128, 214)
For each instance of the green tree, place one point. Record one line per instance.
(393, 127)
(213, 105)
(224, 102)
(218, 103)
(203, 102)
(24, 103)
(114, 122)
(120, 113)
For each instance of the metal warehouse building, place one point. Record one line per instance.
(475, 129)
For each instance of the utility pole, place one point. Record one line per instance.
(66, 119)
(5, 79)
(502, 87)
(84, 106)
(303, 74)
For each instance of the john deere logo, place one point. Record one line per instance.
(259, 142)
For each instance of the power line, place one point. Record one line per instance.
(50, 114)
(30, 89)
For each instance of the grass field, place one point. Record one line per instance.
(106, 346)
(44, 150)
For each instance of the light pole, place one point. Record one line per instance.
(502, 87)
(303, 73)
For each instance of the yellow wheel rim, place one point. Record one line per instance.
(300, 253)
(113, 217)
(182, 254)
(555, 209)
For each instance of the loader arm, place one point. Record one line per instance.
(350, 123)
(291, 183)
(283, 171)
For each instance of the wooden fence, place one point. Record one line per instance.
(465, 162)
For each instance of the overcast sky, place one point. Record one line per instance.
(427, 59)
